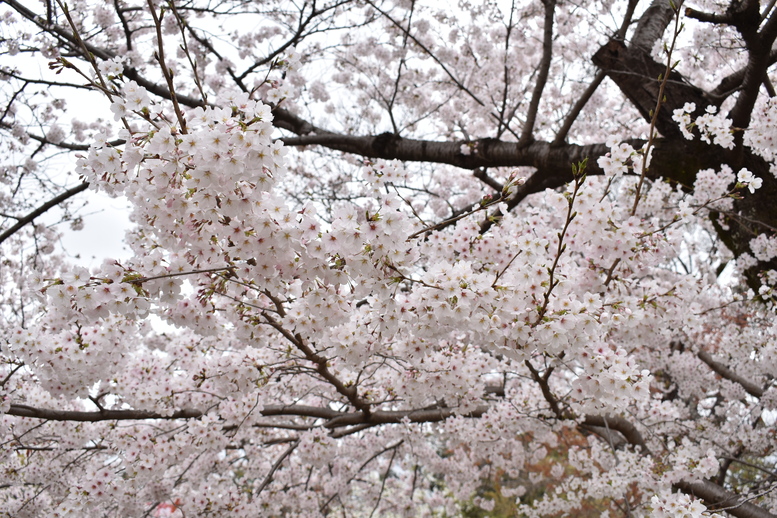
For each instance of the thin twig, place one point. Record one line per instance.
(654, 118)
(277, 465)
(179, 274)
(167, 72)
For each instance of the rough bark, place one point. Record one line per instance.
(718, 498)
(636, 74)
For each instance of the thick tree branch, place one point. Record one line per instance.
(615, 440)
(378, 417)
(759, 54)
(542, 77)
(137, 415)
(619, 424)
(542, 381)
(718, 498)
(335, 419)
(489, 152)
(653, 23)
(733, 82)
(101, 415)
(637, 75)
(714, 496)
(481, 175)
(708, 17)
(746, 18)
(723, 371)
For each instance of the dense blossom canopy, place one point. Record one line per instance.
(391, 258)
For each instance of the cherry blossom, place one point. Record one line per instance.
(390, 259)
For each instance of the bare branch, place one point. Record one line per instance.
(335, 418)
(276, 466)
(166, 71)
(42, 209)
(577, 108)
(350, 392)
(542, 77)
(101, 415)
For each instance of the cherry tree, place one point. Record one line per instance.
(420, 260)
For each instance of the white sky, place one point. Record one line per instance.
(105, 222)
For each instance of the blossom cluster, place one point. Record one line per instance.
(610, 379)
(712, 126)
(759, 136)
(381, 339)
(678, 505)
(764, 247)
(620, 159)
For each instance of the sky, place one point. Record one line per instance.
(105, 222)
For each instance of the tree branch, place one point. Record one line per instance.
(571, 117)
(276, 466)
(101, 415)
(708, 17)
(717, 498)
(350, 392)
(653, 24)
(714, 496)
(43, 208)
(731, 83)
(490, 152)
(542, 77)
(335, 418)
(723, 371)
(542, 381)
(620, 424)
